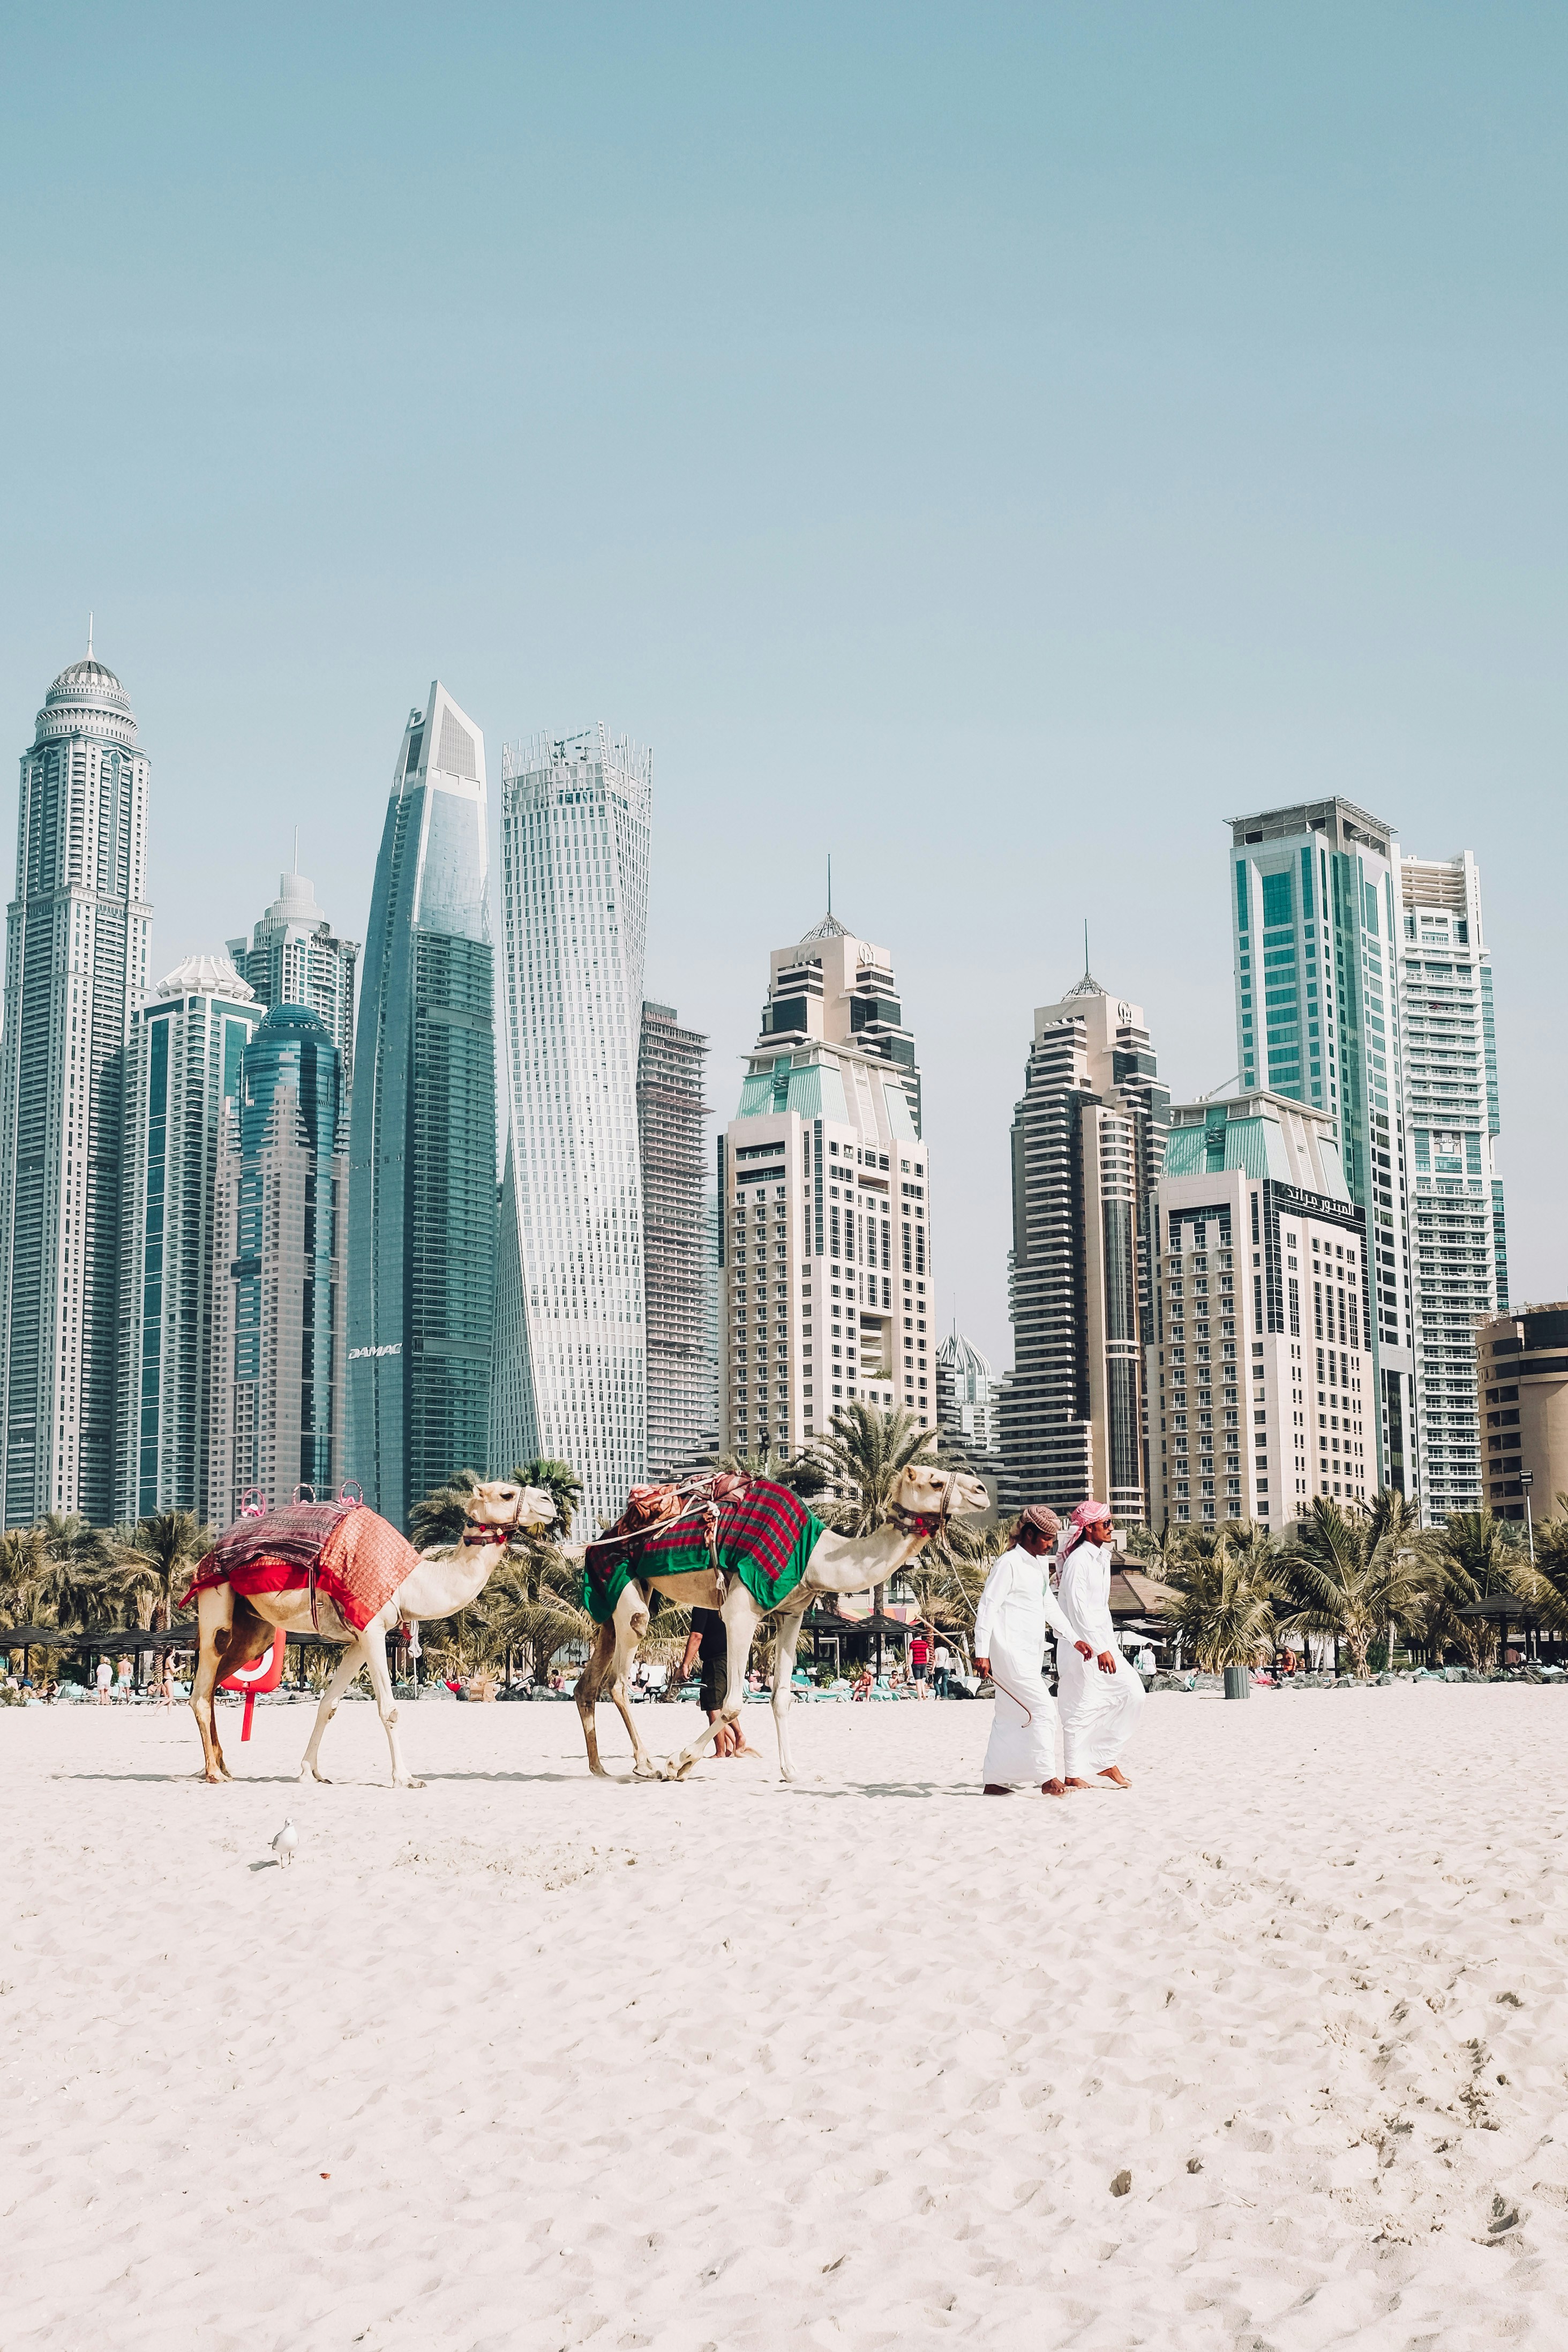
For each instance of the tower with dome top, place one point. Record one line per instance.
(76, 963)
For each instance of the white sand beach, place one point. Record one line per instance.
(525, 2060)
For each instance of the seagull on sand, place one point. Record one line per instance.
(284, 1844)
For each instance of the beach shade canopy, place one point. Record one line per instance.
(113, 1637)
(1502, 1609)
(881, 1624)
(33, 1637)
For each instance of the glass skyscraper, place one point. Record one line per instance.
(295, 957)
(76, 961)
(1088, 1138)
(422, 1215)
(677, 1240)
(183, 1070)
(277, 1416)
(575, 822)
(1458, 1252)
(1316, 919)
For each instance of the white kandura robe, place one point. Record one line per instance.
(1016, 1607)
(1099, 1712)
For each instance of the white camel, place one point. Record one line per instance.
(236, 1628)
(921, 1500)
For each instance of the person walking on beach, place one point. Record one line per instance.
(1016, 1607)
(1099, 1694)
(708, 1642)
(104, 1676)
(941, 1669)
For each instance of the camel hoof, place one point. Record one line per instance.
(408, 1782)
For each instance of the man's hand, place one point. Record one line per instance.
(1083, 1649)
(983, 1666)
(1107, 1661)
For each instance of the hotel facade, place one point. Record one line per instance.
(1261, 1375)
(824, 1190)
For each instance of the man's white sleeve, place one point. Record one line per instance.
(1057, 1618)
(1092, 1596)
(998, 1584)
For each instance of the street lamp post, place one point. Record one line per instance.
(1527, 1480)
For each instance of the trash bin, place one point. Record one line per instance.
(1237, 1681)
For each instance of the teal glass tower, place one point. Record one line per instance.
(278, 1410)
(421, 1180)
(1316, 918)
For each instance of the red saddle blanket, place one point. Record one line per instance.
(360, 1559)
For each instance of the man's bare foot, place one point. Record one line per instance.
(995, 1789)
(1117, 1778)
(1071, 1783)
(1053, 1787)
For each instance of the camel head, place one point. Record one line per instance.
(924, 1493)
(499, 1509)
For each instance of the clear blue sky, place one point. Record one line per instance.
(994, 444)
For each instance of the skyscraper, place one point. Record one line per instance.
(1259, 1344)
(575, 822)
(76, 960)
(278, 1323)
(1459, 1253)
(422, 1193)
(182, 1070)
(966, 1401)
(295, 957)
(824, 1199)
(1087, 1142)
(670, 1114)
(1316, 915)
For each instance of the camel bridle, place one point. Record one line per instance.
(921, 1522)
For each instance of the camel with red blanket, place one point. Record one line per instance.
(339, 1569)
(751, 1549)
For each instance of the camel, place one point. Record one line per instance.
(922, 1497)
(236, 1628)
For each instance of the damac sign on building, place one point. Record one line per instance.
(393, 1349)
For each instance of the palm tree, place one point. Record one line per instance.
(1341, 1580)
(1226, 1596)
(1160, 1554)
(63, 1578)
(18, 1562)
(160, 1554)
(1476, 1557)
(1548, 1588)
(855, 1465)
(440, 1516)
(561, 1482)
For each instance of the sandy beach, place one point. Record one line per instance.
(525, 2060)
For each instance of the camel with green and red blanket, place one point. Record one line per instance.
(751, 1549)
(339, 1569)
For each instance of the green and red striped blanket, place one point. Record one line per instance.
(765, 1537)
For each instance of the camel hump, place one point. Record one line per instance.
(295, 1534)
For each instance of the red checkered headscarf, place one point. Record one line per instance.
(1087, 1516)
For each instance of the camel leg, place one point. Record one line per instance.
(589, 1683)
(231, 1635)
(630, 1624)
(342, 1675)
(373, 1651)
(786, 1635)
(215, 1621)
(741, 1618)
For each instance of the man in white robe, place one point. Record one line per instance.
(1099, 1694)
(1016, 1607)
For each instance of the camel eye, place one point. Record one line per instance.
(508, 1493)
